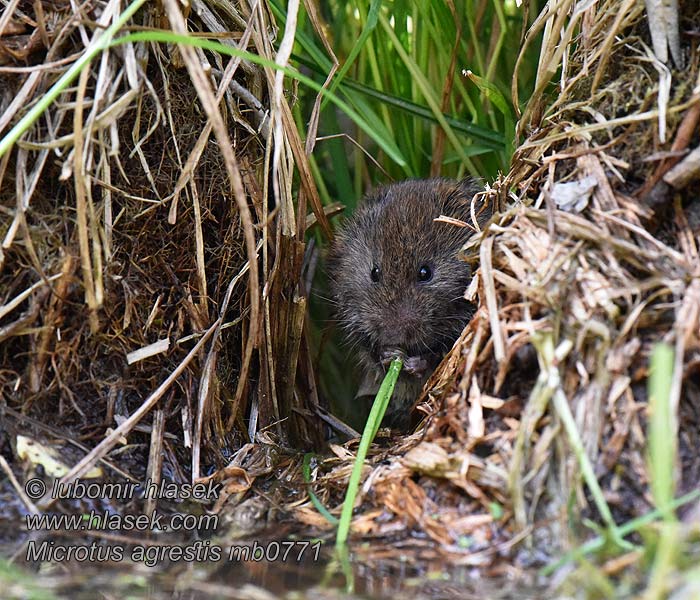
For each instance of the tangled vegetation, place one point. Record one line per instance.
(169, 178)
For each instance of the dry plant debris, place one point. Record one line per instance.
(139, 231)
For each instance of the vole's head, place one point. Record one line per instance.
(396, 278)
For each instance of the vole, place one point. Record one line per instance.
(398, 284)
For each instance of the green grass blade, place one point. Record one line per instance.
(544, 343)
(306, 473)
(426, 89)
(318, 62)
(371, 427)
(101, 43)
(564, 411)
(489, 137)
(493, 139)
(384, 143)
(363, 107)
(342, 172)
(625, 529)
(370, 25)
(662, 437)
(303, 39)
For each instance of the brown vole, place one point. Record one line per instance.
(398, 284)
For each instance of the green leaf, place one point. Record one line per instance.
(492, 93)
(369, 27)
(662, 434)
(83, 61)
(385, 143)
(306, 473)
(371, 427)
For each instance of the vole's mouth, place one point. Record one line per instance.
(415, 365)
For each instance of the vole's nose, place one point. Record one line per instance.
(392, 338)
(399, 326)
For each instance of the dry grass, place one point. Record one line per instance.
(134, 206)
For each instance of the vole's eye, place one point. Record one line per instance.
(425, 273)
(374, 273)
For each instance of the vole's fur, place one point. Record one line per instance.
(394, 231)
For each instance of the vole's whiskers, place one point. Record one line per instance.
(329, 299)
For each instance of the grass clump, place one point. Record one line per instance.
(405, 66)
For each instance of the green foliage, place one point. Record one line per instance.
(403, 66)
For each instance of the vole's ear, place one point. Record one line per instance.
(464, 202)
